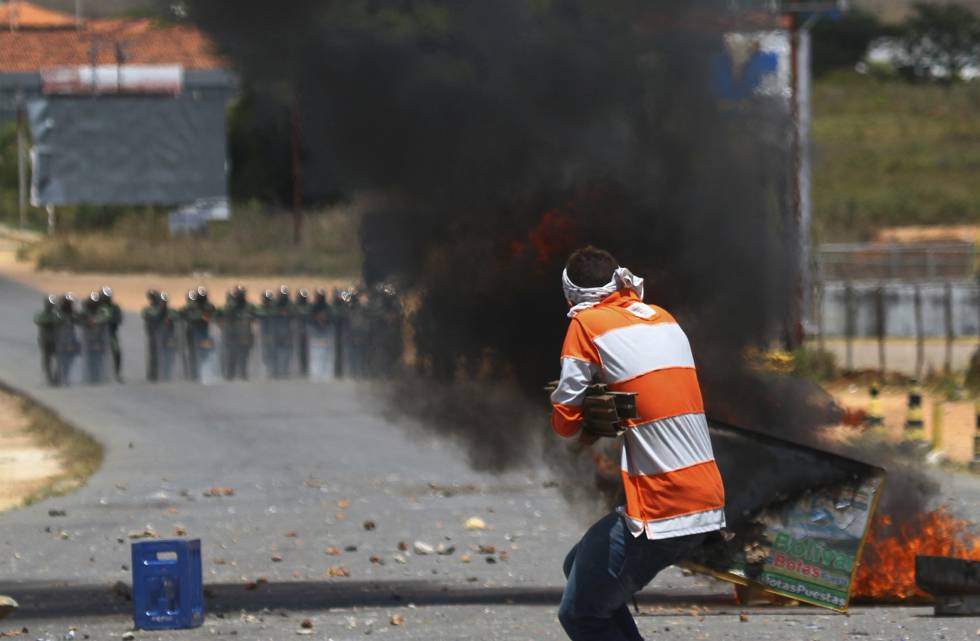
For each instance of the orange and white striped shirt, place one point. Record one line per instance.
(673, 486)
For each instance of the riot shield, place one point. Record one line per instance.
(279, 341)
(236, 343)
(203, 351)
(95, 352)
(162, 347)
(322, 352)
(67, 351)
(152, 352)
(302, 347)
(167, 348)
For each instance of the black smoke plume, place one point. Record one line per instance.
(504, 133)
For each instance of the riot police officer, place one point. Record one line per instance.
(113, 319)
(47, 321)
(281, 327)
(94, 320)
(301, 314)
(167, 343)
(152, 318)
(67, 340)
(321, 329)
(197, 315)
(264, 316)
(238, 338)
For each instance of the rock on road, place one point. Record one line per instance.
(310, 465)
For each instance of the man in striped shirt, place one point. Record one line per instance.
(674, 492)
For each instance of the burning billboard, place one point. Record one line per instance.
(807, 543)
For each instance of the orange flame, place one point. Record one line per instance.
(555, 234)
(887, 570)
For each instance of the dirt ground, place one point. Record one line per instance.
(25, 468)
(956, 419)
(129, 290)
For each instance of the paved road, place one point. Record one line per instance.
(310, 465)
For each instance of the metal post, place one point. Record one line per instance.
(818, 315)
(849, 313)
(21, 161)
(919, 334)
(297, 170)
(950, 330)
(881, 327)
(51, 219)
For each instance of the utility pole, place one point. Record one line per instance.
(21, 161)
(297, 169)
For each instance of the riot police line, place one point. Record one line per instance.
(355, 333)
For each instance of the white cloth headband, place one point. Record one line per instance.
(585, 297)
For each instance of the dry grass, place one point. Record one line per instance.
(888, 153)
(80, 454)
(251, 243)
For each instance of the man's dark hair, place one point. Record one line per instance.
(591, 267)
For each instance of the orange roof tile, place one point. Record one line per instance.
(24, 15)
(141, 41)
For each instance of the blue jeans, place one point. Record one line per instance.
(604, 570)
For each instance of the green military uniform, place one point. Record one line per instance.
(237, 317)
(94, 319)
(113, 319)
(197, 315)
(48, 321)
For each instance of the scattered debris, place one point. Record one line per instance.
(14, 633)
(277, 558)
(343, 504)
(475, 523)
(306, 624)
(292, 534)
(121, 590)
(331, 551)
(445, 550)
(377, 560)
(465, 558)
(396, 619)
(218, 490)
(350, 548)
(503, 556)
(422, 548)
(180, 531)
(402, 546)
(488, 549)
(743, 617)
(252, 585)
(340, 516)
(491, 560)
(146, 533)
(128, 636)
(369, 525)
(7, 605)
(57, 513)
(400, 559)
(336, 570)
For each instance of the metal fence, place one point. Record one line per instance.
(936, 261)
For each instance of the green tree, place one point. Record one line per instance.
(841, 44)
(941, 40)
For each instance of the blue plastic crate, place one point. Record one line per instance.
(168, 591)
